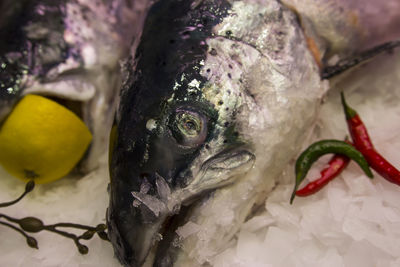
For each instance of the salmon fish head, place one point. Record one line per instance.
(217, 97)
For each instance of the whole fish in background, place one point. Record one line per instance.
(69, 50)
(219, 97)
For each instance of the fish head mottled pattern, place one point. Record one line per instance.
(212, 94)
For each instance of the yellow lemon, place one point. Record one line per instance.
(42, 140)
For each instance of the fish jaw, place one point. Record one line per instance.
(254, 86)
(152, 206)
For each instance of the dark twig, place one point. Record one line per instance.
(28, 188)
(75, 225)
(35, 225)
(31, 241)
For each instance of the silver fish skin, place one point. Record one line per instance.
(69, 50)
(219, 97)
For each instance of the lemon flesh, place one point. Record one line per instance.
(42, 140)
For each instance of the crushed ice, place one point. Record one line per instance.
(156, 204)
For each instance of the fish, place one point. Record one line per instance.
(218, 99)
(70, 51)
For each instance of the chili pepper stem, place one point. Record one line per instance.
(297, 184)
(348, 111)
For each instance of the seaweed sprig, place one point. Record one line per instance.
(34, 225)
(28, 188)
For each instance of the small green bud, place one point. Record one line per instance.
(32, 242)
(103, 235)
(82, 249)
(87, 235)
(101, 227)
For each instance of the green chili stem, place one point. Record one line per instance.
(348, 111)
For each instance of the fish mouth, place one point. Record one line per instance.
(142, 226)
(74, 106)
(149, 241)
(70, 90)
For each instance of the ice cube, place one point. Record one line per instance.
(331, 258)
(188, 229)
(258, 222)
(357, 255)
(285, 213)
(278, 245)
(249, 246)
(338, 202)
(357, 182)
(355, 228)
(372, 209)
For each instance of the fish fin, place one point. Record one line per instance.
(347, 63)
(331, 24)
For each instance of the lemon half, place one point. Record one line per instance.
(42, 140)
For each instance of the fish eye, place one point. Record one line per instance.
(189, 128)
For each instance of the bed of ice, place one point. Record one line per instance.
(353, 221)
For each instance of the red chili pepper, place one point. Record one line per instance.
(335, 166)
(363, 143)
